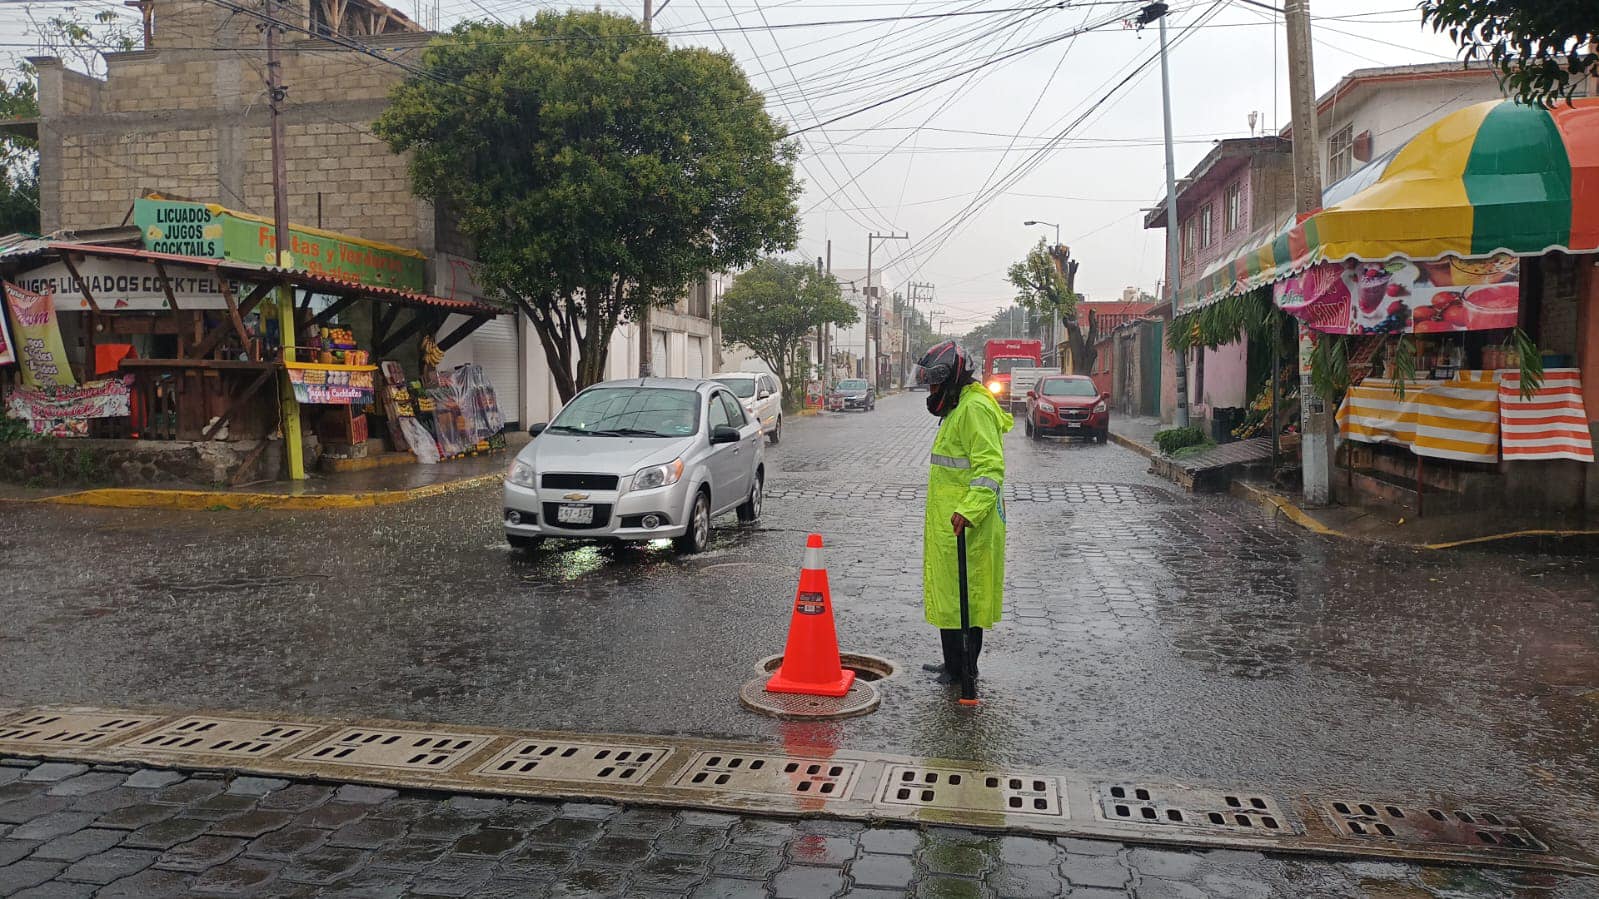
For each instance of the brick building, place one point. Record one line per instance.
(187, 116)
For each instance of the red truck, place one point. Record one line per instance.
(1001, 356)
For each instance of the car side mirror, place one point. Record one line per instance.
(723, 434)
(1105, 395)
(764, 394)
(535, 430)
(1032, 395)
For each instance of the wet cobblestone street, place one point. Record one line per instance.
(125, 833)
(1147, 633)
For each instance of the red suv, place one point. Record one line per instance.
(1069, 405)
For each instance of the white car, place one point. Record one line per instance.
(761, 397)
(637, 460)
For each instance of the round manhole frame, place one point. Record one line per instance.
(868, 668)
(862, 699)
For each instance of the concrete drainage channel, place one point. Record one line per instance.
(802, 780)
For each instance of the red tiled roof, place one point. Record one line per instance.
(245, 271)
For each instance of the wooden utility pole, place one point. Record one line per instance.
(1316, 447)
(276, 93)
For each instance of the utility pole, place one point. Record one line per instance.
(1316, 447)
(827, 358)
(1157, 11)
(646, 337)
(281, 242)
(874, 309)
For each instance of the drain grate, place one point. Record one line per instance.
(401, 750)
(576, 761)
(233, 737)
(725, 772)
(52, 730)
(1431, 825)
(977, 791)
(1172, 806)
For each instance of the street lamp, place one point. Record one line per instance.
(1051, 224)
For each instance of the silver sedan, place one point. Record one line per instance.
(640, 459)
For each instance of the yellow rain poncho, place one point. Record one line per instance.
(967, 476)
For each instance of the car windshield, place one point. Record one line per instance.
(1068, 387)
(743, 388)
(1004, 365)
(630, 412)
(852, 384)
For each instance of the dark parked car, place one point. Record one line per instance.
(855, 393)
(1068, 405)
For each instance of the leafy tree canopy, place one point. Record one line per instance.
(1542, 47)
(773, 306)
(597, 169)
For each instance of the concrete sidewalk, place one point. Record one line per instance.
(379, 486)
(1137, 434)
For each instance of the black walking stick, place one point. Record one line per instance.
(968, 664)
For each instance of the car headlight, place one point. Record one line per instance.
(521, 474)
(1047, 407)
(995, 387)
(1100, 406)
(658, 476)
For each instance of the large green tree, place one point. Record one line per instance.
(1045, 286)
(597, 169)
(773, 306)
(1542, 47)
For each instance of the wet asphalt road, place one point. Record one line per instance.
(1148, 634)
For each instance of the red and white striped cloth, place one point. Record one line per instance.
(1552, 424)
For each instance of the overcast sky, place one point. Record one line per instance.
(1039, 132)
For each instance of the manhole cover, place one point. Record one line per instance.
(732, 772)
(861, 699)
(404, 750)
(232, 737)
(973, 791)
(52, 730)
(575, 761)
(1471, 828)
(867, 668)
(1171, 806)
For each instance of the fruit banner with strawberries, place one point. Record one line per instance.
(1404, 297)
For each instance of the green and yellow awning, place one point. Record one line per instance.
(1495, 177)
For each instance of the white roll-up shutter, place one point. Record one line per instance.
(696, 358)
(494, 347)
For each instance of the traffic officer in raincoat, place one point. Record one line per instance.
(964, 494)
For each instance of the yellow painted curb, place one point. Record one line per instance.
(1510, 535)
(1285, 506)
(220, 501)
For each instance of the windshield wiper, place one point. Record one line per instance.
(637, 432)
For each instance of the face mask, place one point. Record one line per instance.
(942, 399)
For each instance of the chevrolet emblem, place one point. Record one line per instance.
(575, 496)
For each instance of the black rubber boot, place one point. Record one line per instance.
(950, 640)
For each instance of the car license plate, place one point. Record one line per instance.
(575, 515)
(1074, 424)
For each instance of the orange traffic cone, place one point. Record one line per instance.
(810, 660)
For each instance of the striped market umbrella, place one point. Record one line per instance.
(1494, 177)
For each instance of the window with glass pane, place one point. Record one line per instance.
(1205, 229)
(1340, 154)
(1233, 207)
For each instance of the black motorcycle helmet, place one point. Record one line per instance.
(946, 369)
